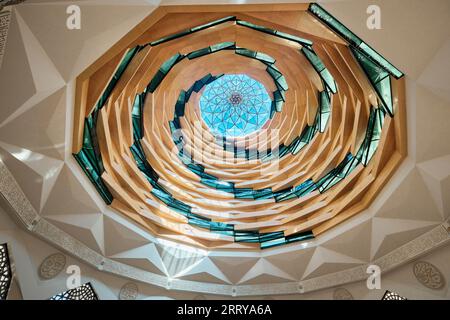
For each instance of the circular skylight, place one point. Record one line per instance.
(235, 105)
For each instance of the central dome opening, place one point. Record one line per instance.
(235, 105)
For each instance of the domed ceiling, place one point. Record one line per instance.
(237, 133)
(233, 150)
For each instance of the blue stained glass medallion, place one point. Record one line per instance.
(235, 105)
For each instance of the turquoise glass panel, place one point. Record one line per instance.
(379, 78)
(120, 69)
(235, 105)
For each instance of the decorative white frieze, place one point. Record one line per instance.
(11, 191)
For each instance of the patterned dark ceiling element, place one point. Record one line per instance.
(4, 3)
(5, 272)
(83, 292)
(389, 295)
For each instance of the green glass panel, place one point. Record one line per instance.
(380, 60)
(129, 55)
(264, 237)
(325, 110)
(136, 116)
(256, 27)
(300, 237)
(282, 150)
(169, 63)
(384, 90)
(294, 38)
(278, 99)
(276, 33)
(242, 193)
(162, 72)
(339, 173)
(379, 79)
(180, 105)
(305, 188)
(285, 195)
(273, 72)
(163, 196)
(200, 223)
(218, 184)
(329, 80)
(171, 37)
(281, 81)
(246, 52)
(372, 137)
(192, 30)
(207, 176)
(94, 177)
(334, 24)
(273, 109)
(199, 53)
(314, 59)
(222, 46)
(273, 243)
(246, 236)
(197, 216)
(196, 168)
(185, 158)
(156, 80)
(264, 57)
(220, 226)
(213, 23)
(263, 194)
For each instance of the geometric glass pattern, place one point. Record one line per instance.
(83, 292)
(235, 105)
(388, 295)
(5, 272)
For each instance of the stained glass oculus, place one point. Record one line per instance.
(235, 105)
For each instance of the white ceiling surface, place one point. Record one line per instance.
(29, 252)
(43, 57)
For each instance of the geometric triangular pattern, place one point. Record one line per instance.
(47, 168)
(388, 234)
(323, 260)
(30, 181)
(418, 204)
(88, 228)
(204, 271)
(436, 175)
(45, 76)
(15, 91)
(436, 75)
(431, 125)
(234, 267)
(293, 264)
(411, 200)
(119, 238)
(354, 243)
(177, 258)
(67, 57)
(45, 123)
(69, 196)
(43, 71)
(145, 257)
(265, 272)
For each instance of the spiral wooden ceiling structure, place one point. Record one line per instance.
(336, 132)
